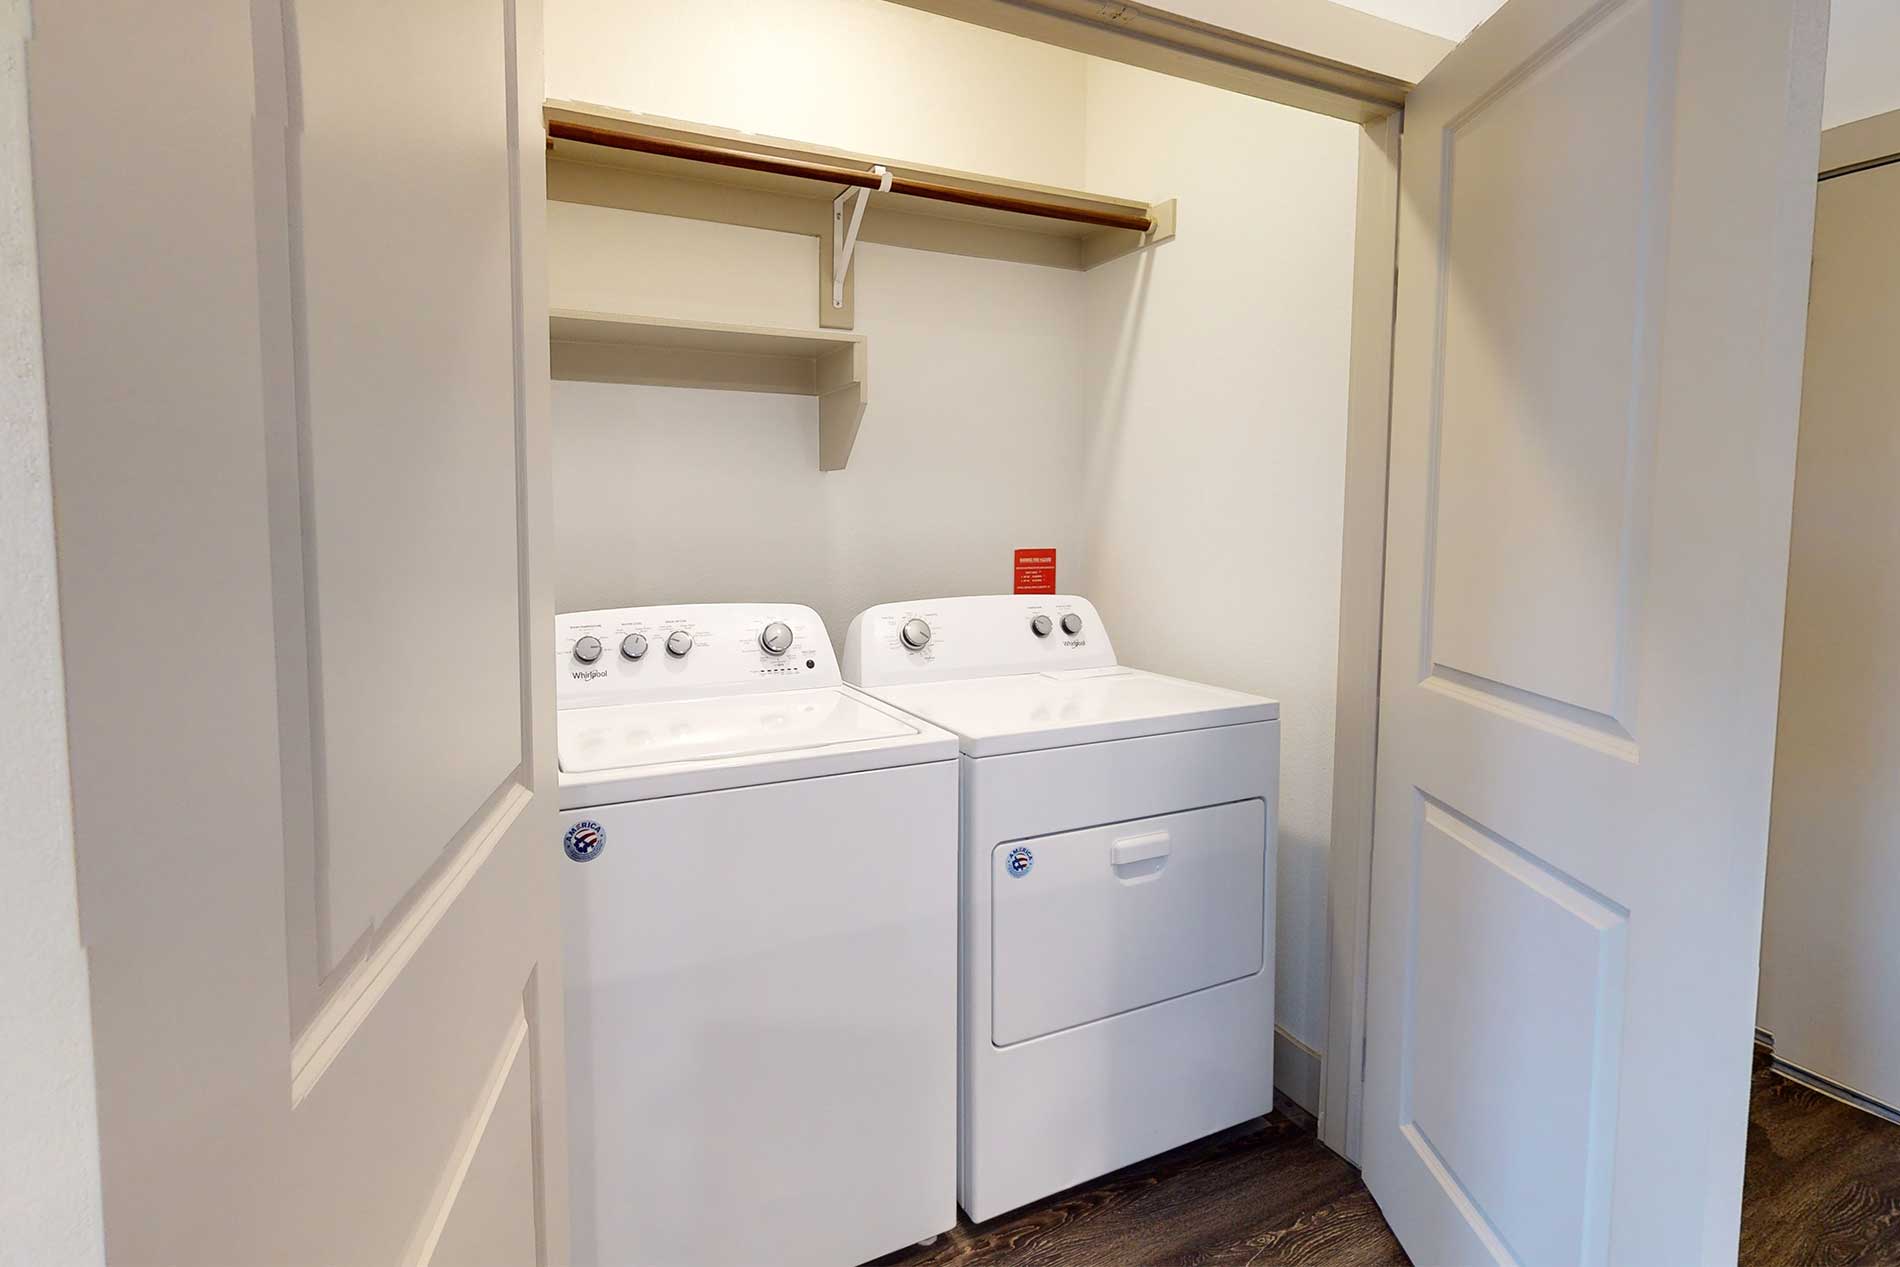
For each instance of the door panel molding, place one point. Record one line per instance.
(326, 944)
(443, 1205)
(350, 1004)
(1565, 941)
(321, 968)
(1527, 708)
(1542, 610)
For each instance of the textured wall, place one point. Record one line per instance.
(49, 1163)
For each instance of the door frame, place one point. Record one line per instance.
(1312, 55)
(1865, 143)
(1361, 625)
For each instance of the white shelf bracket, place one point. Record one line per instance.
(844, 238)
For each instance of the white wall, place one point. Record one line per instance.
(972, 443)
(49, 1157)
(1218, 412)
(852, 74)
(1863, 61)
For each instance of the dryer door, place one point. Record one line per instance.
(1092, 923)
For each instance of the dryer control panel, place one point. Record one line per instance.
(626, 655)
(988, 635)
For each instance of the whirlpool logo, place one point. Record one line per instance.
(588, 675)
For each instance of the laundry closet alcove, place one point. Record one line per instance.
(1163, 407)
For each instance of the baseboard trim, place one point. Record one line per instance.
(1296, 1071)
(1834, 1090)
(1820, 1083)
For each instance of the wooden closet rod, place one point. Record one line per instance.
(560, 130)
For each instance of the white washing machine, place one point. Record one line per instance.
(759, 902)
(1117, 888)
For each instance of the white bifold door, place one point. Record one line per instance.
(1606, 209)
(295, 343)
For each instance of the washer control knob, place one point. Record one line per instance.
(678, 643)
(633, 646)
(916, 634)
(1072, 624)
(776, 638)
(1041, 626)
(587, 649)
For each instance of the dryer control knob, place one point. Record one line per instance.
(587, 649)
(633, 646)
(1072, 624)
(916, 634)
(776, 638)
(1041, 626)
(679, 642)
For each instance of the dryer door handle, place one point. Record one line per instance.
(1154, 844)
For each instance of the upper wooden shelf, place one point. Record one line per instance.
(602, 347)
(1002, 218)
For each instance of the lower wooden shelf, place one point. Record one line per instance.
(603, 347)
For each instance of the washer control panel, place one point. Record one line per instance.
(627, 655)
(939, 639)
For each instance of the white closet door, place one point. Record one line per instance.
(1605, 214)
(296, 358)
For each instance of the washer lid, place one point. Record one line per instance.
(630, 736)
(1023, 712)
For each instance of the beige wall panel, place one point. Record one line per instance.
(1831, 949)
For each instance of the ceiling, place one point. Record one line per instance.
(1447, 19)
(1863, 46)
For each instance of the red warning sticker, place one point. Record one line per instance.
(1036, 571)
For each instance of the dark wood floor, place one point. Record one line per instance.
(1823, 1187)
(1266, 1192)
(1823, 1183)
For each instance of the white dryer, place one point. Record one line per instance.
(1117, 888)
(759, 902)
